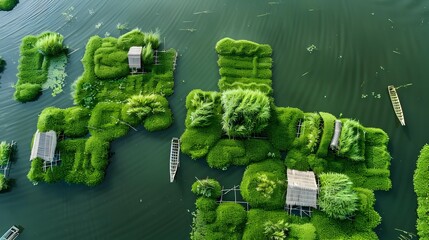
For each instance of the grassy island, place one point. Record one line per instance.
(241, 126)
(6, 150)
(41, 65)
(7, 5)
(109, 101)
(422, 190)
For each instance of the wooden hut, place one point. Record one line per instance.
(44, 146)
(135, 58)
(302, 190)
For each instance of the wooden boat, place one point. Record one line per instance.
(174, 157)
(10, 234)
(396, 104)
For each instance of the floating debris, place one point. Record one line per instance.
(68, 14)
(188, 29)
(372, 14)
(121, 26)
(311, 48)
(273, 3)
(364, 95)
(107, 34)
(382, 68)
(91, 11)
(263, 15)
(396, 52)
(311, 10)
(202, 12)
(390, 20)
(98, 25)
(304, 74)
(187, 21)
(404, 86)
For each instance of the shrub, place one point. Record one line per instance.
(274, 171)
(377, 157)
(3, 183)
(225, 152)
(76, 121)
(202, 108)
(147, 54)
(206, 203)
(302, 231)
(228, 46)
(152, 38)
(197, 142)
(132, 38)
(106, 122)
(5, 152)
(421, 188)
(327, 134)
(352, 141)
(277, 230)
(110, 63)
(337, 198)
(376, 137)
(27, 92)
(141, 106)
(36, 172)
(283, 126)
(50, 44)
(231, 218)
(51, 118)
(309, 133)
(246, 112)
(7, 5)
(297, 159)
(209, 188)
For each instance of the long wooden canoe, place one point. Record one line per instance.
(174, 157)
(10, 234)
(396, 104)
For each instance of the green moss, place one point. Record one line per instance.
(5, 152)
(7, 5)
(421, 188)
(72, 121)
(27, 92)
(133, 38)
(106, 122)
(110, 63)
(327, 134)
(228, 46)
(274, 170)
(209, 188)
(282, 129)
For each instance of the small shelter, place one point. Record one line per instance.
(336, 137)
(302, 190)
(135, 58)
(44, 146)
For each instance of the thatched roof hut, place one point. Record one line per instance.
(302, 189)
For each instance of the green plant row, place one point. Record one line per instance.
(5, 152)
(3, 183)
(36, 53)
(421, 189)
(7, 5)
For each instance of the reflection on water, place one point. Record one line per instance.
(360, 48)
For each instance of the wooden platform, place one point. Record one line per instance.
(396, 104)
(174, 157)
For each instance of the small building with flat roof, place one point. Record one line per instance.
(302, 189)
(44, 144)
(135, 57)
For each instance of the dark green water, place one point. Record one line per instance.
(356, 41)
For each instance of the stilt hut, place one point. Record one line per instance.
(302, 190)
(44, 146)
(135, 58)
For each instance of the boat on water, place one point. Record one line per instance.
(396, 104)
(174, 157)
(10, 234)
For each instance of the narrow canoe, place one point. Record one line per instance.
(396, 104)
(10, 234)
(174, 157)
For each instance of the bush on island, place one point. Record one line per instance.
(228, 46)
(152, 38)
(50, 44)
(263, 185)
(27, 92)
(246, 112)
(5, 152)
(209, 188)
(132, 38)
(421, 188)
(310, 131)
(297, 159)
(72, 121)
(106, 122)
(231, 218)
(327, 134)
(283, 126)
(7, 5)
(202, 108)
(3, 183)
(111, 63)
(337, 198)
(352, 141)
(376, 137)
(197, 142)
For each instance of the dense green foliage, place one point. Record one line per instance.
(328, 121)
(273, 171)
(139, 108)
(209, 188)
(202, 108)
(245, 112)
(277, 230)
(7, 5)
(50, 44)
(5, 152)
(352, 141)
(421, 188)
(73, 121)
(282, 128)
(228, 46)
(337, 198)
(3, 183)
(36, 52)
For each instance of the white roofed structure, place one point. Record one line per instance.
(302, 189)
(44, 146)
(135, 57)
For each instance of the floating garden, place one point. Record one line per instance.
(6, 151)
(41, 66)
(110, 99)
(422, 191)
(241, 126)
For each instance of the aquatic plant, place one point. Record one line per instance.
(134, 37)
(121, 26)
(153, 38)
(311, 48)
(69, 14)
(352, 141)
(7, 5)
(337, 198)
(147, 54)
(56, 74)
(421, 189)
(276, 231)
(245, 112)
(3, 183)
(209, 188)
(264, 185)
(50, 44)
(5, 151)
(141, 106)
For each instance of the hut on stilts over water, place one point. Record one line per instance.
(44, 145)
(302, 190)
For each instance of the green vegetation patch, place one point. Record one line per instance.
(7, 5)
(328, 121)
(282, 129)
(73, 121)
(202, 108)
(208, 188)
(5, 152)
(264, 184)
(36, 53)
(421, 188)
(309, 133)
(352, 141)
